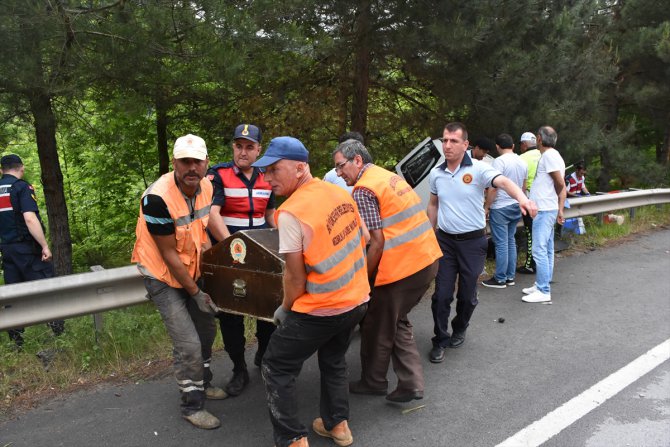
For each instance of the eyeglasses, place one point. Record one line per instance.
(339, 166)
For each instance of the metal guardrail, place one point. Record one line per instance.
(586, 206)
(87, 293)
(70, 296)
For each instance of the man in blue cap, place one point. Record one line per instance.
(25, 251)
(325, 294)
(243, 200)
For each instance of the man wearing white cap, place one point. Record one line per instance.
(531, 156)
(171, 235)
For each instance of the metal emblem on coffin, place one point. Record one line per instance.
(238, 250)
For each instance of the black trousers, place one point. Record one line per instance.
(22, 261)
(298, 337)
(232, 332)
(465, 260)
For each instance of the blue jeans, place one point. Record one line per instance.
(543, 248)
(503, 228)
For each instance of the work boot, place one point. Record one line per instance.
(302, 442)
(203, 419)
(215, 393)
(340, 434)
(238, 382)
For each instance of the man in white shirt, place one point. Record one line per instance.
(504, 213)
(548, 192)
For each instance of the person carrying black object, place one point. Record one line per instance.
(25, 251)
(171, 236)
(243, 200)
(401, 265)
(325, 294)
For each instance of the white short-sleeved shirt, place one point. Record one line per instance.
(543, 192)
(332, 177)
(460, 194)
(514, 168)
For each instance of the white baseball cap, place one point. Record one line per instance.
(190, 146)
(528, 136)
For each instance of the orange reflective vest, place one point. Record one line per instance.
(335, 259)
(409, 240)
(189, 225)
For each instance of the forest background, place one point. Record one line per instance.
(93, 93)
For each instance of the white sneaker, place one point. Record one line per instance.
(529, 290)
(537, 297)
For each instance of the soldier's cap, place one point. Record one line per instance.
(190, 146)
(283, 148)
(11, 159)
(248, 132)
(528, 137)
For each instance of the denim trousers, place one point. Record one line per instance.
(503, 228)
(543, 248)
(192, 333)
(293, 342)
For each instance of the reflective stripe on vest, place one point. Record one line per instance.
(338, 283)
(5, 201)
(408, 236)
(335, 258)
(243, 206)
(190, 226)
(13, 226)
(244, 192)
(243, 222)
(197, 214)
(409, 240)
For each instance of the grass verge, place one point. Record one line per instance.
(133, 346)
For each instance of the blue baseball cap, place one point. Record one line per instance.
(283, 148)
(248, 132)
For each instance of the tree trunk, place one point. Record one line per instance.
(361, 81)
(161, 135)
(663, 151)
(611, 120)
(52, 181)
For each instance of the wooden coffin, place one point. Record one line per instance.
(243, 273)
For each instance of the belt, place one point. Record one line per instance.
(464, 236)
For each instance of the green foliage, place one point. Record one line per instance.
(143, 73)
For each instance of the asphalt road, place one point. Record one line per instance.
(609, 307)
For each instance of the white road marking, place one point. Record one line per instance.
(550, 425)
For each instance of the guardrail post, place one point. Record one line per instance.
(98, 318)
